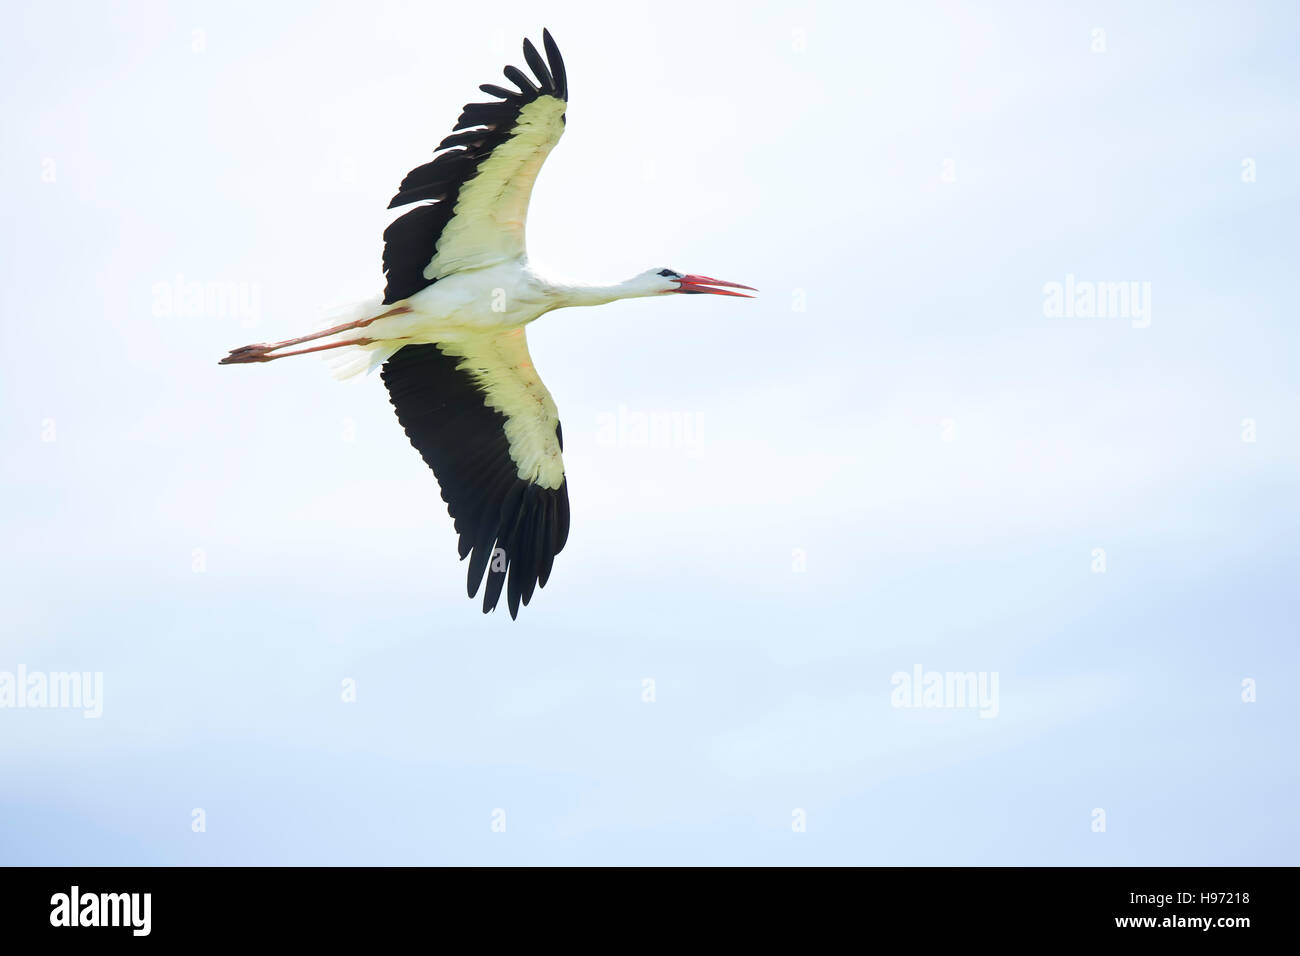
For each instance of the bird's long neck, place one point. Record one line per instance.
(568, 294)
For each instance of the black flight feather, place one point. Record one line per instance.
(510, 529)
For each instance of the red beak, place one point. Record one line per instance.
(697, 285)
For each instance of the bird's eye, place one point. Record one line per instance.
(669, 274)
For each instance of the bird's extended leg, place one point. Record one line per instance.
(260, 353)
(240, 356)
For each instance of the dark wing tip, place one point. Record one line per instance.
(557, 65)
(520, 79)
(526, 533)
(491, 89)
(538, 66)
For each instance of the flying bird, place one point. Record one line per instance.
(449, 330)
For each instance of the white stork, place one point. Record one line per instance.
(449, 330)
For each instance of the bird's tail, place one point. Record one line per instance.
(353, 360)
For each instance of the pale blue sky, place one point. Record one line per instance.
(945, 456)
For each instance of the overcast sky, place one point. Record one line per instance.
(901, 456)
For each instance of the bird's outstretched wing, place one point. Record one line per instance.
(479, 181)
(481, 418)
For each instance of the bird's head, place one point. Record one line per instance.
(662, 281)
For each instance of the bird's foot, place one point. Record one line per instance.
(248, 353)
